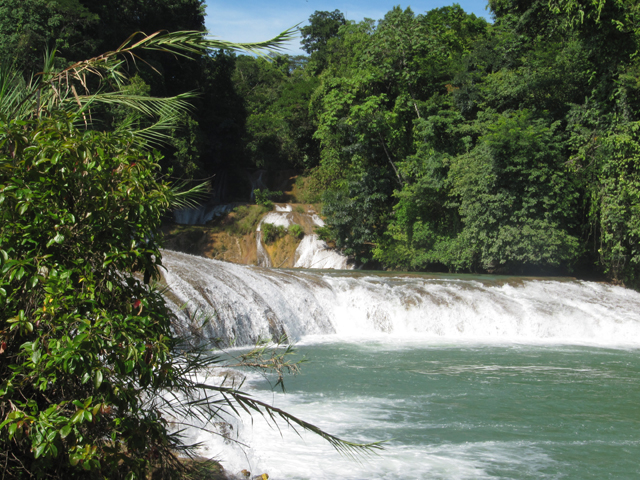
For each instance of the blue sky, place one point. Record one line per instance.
(254, 20)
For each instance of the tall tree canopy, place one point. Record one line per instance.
(439, 140)
(505, 147)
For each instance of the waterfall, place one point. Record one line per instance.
(315, 253)
(248, 303)
(263, 257)
(311, 252)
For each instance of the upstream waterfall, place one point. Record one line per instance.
(250, 303)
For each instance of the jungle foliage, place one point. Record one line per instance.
(437, 140)
(451, 143)
(93, 381)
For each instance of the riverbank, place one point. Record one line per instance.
(283, 236)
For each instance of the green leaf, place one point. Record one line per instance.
(40, 450)
(65, 431)
(77, 417)
(97, 380)
(35, 356)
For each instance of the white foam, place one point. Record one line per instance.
(283, 454)
(315, 253)
(262, 257)
(248, 303)
(282, 218)
(317, 220)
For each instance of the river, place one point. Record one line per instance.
(464, 377)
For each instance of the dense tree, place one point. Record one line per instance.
(510, 146)
(29, 27)
(322, 27)
(92, 376)
(369, 114)
(517, 200)
(279, 129)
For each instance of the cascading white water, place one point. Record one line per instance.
(248, 303)
(311, 252)
(465, 376)
(262, 256)
(315, 253)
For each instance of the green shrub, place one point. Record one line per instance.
(324, 233)
(296, 231)
(247, 218)
(82, 336)
(264, 197)
(271, 233)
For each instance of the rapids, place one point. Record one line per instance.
(465, 377)
(250, 303)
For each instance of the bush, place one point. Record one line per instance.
(82, 336)
(246, 218)
(271, 233)
(264, 197)
(296, 231)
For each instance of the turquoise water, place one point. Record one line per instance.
(459, 411)
(465, 377)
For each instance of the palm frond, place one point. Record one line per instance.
(17, 95)
(182, 43)
(236, 399)
(148, 106)
(195, 400)
(183, 197)
(157, 134)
